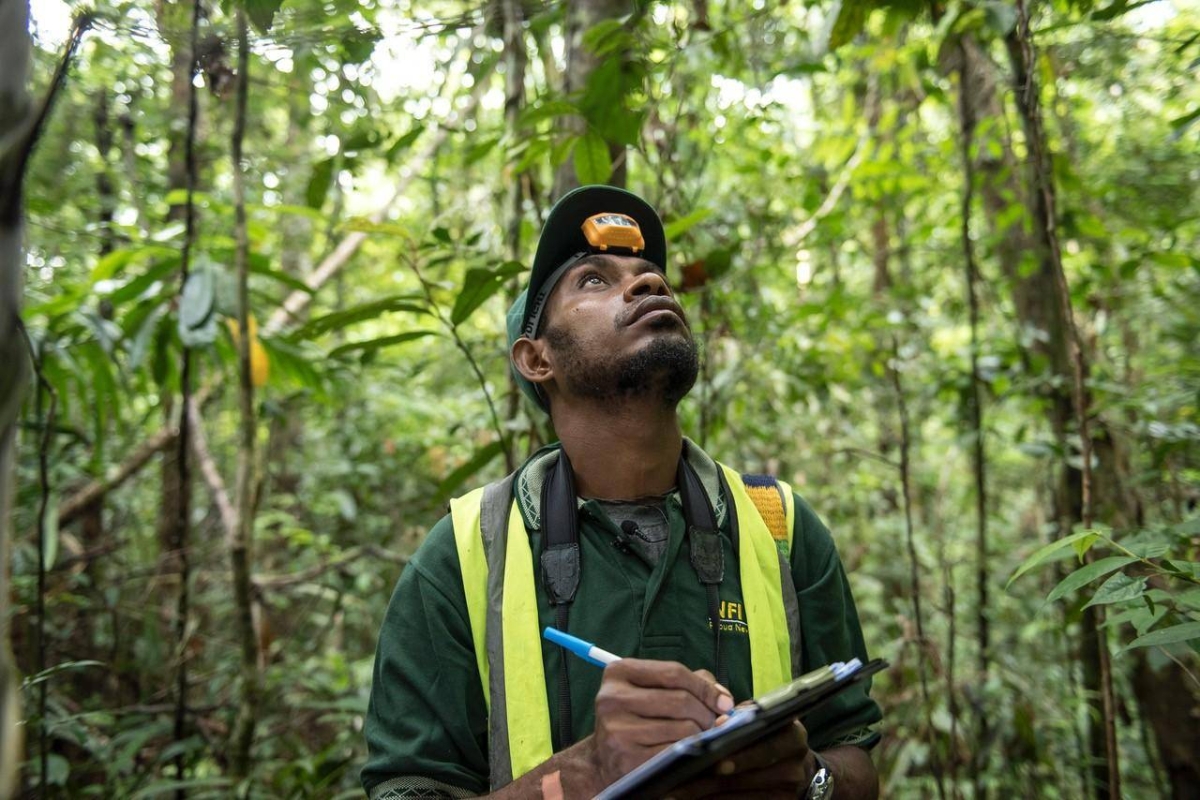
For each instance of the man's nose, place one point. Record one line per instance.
(647, 283)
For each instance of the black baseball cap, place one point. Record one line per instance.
(562, 242)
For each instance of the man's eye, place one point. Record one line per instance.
(591, 279)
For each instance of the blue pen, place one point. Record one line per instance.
(585, 650)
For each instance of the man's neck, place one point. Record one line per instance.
(624, 451)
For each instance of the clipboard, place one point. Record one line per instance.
(762, 717)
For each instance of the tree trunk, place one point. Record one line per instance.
(105, 191)
(241, 541)
(516, 59)
(967, 125)
(284, 457)
(1039, 310)
(173, 18)
(174, 511)
(14, 112)
(581, 15)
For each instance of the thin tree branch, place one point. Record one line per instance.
(14, 156)
(241, 740)
(296, 302)
(71, 508)
(835, 193)
(210, 473)
(935, 759)
(967, 123)
(869, 454)
(263, 582)
(141, 454)
(182, 520)
(44, 388)
(466, 351)
(1019, 44)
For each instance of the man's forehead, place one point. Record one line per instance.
(610, 261)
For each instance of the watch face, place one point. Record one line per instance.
(821, 787)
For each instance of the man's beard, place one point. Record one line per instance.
(666, 368)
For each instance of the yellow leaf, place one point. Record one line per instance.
(260, 362)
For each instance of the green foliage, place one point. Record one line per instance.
(480, 284)
(811, 186)
(261, 12)
(1159, 617)
(591, 159)
(337, 320)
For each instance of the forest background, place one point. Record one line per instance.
(941, 257)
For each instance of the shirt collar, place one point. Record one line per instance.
(531, 477)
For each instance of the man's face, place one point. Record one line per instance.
(614, 331)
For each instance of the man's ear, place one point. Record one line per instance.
(530, 358)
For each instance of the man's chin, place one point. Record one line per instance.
(667, 368)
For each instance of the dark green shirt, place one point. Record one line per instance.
(427, 722)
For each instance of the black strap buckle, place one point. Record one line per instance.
(706, 554)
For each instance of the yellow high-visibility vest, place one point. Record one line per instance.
(501, 594)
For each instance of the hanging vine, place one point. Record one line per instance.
(183, 453)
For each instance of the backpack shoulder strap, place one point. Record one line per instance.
(773, 499)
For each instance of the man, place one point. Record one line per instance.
(633, 538)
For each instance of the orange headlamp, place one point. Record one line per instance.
(611, 232)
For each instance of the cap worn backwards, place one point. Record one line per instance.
(586, 221)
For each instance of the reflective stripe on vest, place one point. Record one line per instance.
(501, 595)
(762, 592)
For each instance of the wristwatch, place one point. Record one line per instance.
(821, 787)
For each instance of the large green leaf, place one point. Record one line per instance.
(1118, 589)
(112, 263)
(849, 18)
(408, 303)
(478, 286)
(677, 227)
(50, 533)
(404, 142)
(370, 345)
(1117, 8)
(607, 37)
(1085, 575)
(476, 462)
(319, 182)
(262, 267)
(1044, 554)
(547, 107)
(136, 287)
(607, 102)
(262, 12)
(1185, 569)
(197, 322)
(593, 164)
(1183, 632)
(140, 345)
(170, 786)
(294, 362)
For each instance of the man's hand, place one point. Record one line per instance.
(644, 706)
(779, 766)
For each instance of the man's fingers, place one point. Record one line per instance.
(670, 704)
(655, 733)
(789, 744)
(644, 706)
(671, 675)
(708, 677)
